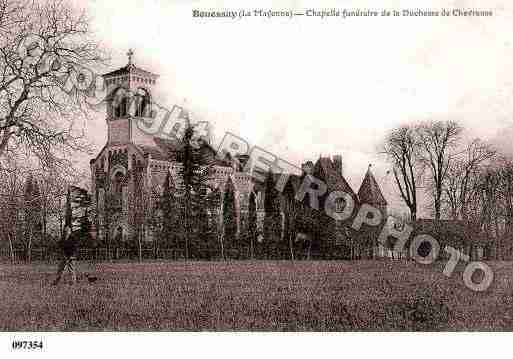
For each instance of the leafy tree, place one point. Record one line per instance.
(251, 228)
(68, 213)
(195, 187)
(209, 228)
(150, 216)
(229, 215)
(290, 212)
(272, 219)
(171, 216)
(85, 224)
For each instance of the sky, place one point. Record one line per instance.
(306, 87)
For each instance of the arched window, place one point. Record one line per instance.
(120, 103)
(118, 183)
(143, 103)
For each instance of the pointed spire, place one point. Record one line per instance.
(130, 54)
(369, 191)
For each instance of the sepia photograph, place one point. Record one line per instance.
(255, 167)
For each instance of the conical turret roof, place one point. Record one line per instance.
(369, 191)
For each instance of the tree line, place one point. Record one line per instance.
(44, 109)
(461, 181)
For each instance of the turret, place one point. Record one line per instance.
(129, 99)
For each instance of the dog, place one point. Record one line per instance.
(91, 279)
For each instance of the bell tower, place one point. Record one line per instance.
(129, 99)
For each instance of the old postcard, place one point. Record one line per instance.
(249, 166)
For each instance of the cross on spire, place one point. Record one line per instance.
(130, 54)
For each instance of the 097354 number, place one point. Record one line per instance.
(27, 344)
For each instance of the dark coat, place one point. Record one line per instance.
(71, 245)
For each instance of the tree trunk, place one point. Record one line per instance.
(287, 233)
(291, 247)
(221, 243)
(107, 240)
(186, 237)
(29, 248)
(437, 210)
(140, 245)
(413, 215)
(497, 239)
(252, 245)
(5, 140)
(60, 218)
(11, 249)
(44, 221)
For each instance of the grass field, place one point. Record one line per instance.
(300, 296)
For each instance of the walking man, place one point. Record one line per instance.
(69, 248)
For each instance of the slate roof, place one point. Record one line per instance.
(169, 150)
(294, 180)
(128, 69)
(164, 150)
(155, 152)
(369, 191)
(324, 169)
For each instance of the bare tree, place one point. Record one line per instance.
(438, 140)
(11, 207)
(464, 176)
(402, 148)
(500, 184)
(15, 168)
(490, 208)
(46, 57)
